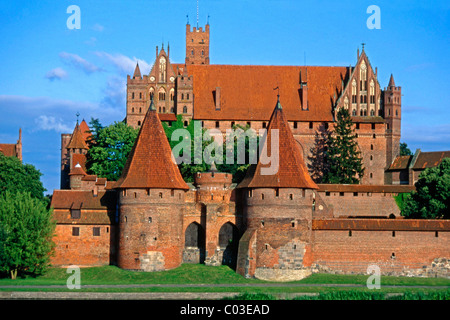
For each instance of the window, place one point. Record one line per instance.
(162, 69)
(373, 124)
(355, 194)
(249, 124)
(393, 233)
(160, 195)
(341, 194)
(250, 193)
(162, 96)
(349, 233)
(139, 123)
(277, 192)
(262, 196)
(96, 231)
(132, 95)
(140, 95)
(75, 231)
(132, 110)
(310, 125)
(291, 196)
(187, 96)
(371, 147)
(217, 124)
(232, 124)
(75, 213)
(295, 125)
(264, 125)
(184, 109)
(327, 193)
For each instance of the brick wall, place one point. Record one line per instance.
(395, 252)
(84, 249)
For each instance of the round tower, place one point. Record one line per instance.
(278, 209)
(151, 202)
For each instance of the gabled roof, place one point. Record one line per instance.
(430, 159)
(292, 171)
(77, 141)
(77, 170)
(150, 164)
(400, 163)
(246, 92)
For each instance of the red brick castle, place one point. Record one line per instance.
(278, 227)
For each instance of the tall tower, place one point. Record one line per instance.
(278, 209)
(151, 201)
(197, 45)
(393, 118)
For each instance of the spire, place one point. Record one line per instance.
(151, 163)
(292, 171)
(152, 105)
(137, 72)
(391, 81)
(77, 141)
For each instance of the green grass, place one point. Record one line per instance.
(201, 274)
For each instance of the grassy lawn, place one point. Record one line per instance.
(201, 274)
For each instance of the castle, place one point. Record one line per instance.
(281, 226)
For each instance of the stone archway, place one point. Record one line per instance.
(228, 244)
(194, 244)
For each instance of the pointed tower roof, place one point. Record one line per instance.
(150, 163)
(77, 141)
(391, 81)
(292, 171)
(77, 170)
(137, 72)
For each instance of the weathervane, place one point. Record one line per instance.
(77, 114)
(363, 44)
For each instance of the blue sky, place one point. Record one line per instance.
(48, 72)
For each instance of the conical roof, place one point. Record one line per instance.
(77, 141)
(292, 171)
(137, 72)
(150, 163)
(77, 170)
(391, 81)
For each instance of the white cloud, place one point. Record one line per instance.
(50, 123)
(98, 27)
(78, 62)
(125, 64)
(56, 74)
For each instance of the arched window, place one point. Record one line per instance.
(184, 109)
(162, 69)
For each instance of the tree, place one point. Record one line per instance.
(198, 163)
(431, 199)
(344, 161)
(18, 177)
(404, 150)
(318, 165)
(26, 232)
(109, 148)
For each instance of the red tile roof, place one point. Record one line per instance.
(150, 164)
(8, 150)
(167, 117)
(292, 171)
(247, 91)
(75, 199)
(77, 141)
(77, 170)
(430, 159)
(400, 163)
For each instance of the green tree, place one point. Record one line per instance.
(109, 148)
(344, 161)
(26, 233)
(197, 160)
(404, 150)
(431, 199)
(18, 177)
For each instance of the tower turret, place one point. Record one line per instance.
(393, 118)
(197, 45)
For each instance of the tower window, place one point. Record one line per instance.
(96, 231)
(184, 109)
(132, 95)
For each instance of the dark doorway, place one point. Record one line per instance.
(229, 243)
(194, 244)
